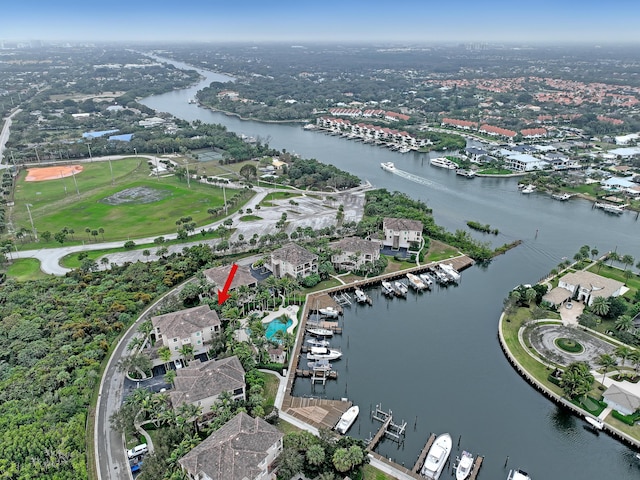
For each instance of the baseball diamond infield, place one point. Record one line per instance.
(52, 173)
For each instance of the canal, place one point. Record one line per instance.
(434, 358)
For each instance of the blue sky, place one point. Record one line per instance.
(322, 20)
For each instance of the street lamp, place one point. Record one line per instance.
(33, 227)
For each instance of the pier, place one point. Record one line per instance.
(476, 467)
(423, 454)
(388, 429)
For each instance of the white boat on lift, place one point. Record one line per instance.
(323, 353)
(387, 288)
(347, 419)
(463, 470)
(361, 297)
(330, 312)
(400, 289)
(416, 282)
(437, 457)
(426, 279)
(322, 364)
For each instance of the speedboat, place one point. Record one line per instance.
(329, 312)
(450, 272)
(320, 332)
(443, 163)
(463, 470)
(594, 422)
(416, 282)
(465, 173)
(347, 419)
(426, 279)
(321, 364)
(528, 189)
(323, 353)
(361, 297)
(400, 289)
(388, 166)
(517, 474)
(315, 342)
(387, 288)
(437, 457)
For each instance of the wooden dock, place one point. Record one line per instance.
(423, 454)
(331, 374)
(381, 432)
(476, 467)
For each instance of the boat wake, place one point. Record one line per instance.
(421, 180)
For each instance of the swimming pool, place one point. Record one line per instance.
(274, 325)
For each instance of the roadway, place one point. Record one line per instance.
(4, 136)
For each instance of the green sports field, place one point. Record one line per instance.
(137, 205)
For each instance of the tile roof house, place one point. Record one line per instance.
(621, 400)
(193, 326)
(244, 448)
(401, 232)
(353, 252)
(586, 286)
(292, 260)
(202, 383)
(217, 276)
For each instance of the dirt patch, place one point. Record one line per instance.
(136, 196)
(52, 173)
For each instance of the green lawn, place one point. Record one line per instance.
(442, 255)
(616, 274)
(250, 218)
(52, 210)
(495, 171)
(23, 269)
(282, 195)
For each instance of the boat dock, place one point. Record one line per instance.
(476, 467)
(388, 429)
(317, 375)
(423, 454)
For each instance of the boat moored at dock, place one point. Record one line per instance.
(361, 297)
(320, 332)
(443, 163)
(316, 342)
(426, 279)
(563, 197)
(437, 457)
(610, 208)
(323, 353)
(465, 173)
(415, 282)
(463, 469)
(450, 272)
(387, 288)
(330, 312)
(347, 419)
(400, 289)
(517, 474)
(594, 422)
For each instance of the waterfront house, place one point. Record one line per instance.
(277, 355)
(217, 277)
(292, 260)
(586, 286)
(193, 326)
(201, 383)
(621, 400)
(244, 448)
(353, 252)
(401, 232)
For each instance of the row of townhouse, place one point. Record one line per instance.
(356, 112)
(371, 132)
(529, 133)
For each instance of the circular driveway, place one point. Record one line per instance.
(542, 339)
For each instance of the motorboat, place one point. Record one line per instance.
(443, 163)
(609, 208)
(426, 279)
(441, 277)
(347, 419)
(561, 196)
(361, 297)
(400, 289)
(416, 282)
(320, 332)
(323, 353)
(528, 189)
(321, 364)
(388, 166)
(329, 312)
(387, 288)
(450, 272)
(463, 470)
(518, 474)
(465, 173)
(594, 422)
(437, 457)
(316, 342)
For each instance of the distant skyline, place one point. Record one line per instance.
(417, 21)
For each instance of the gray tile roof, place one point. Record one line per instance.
(622, 397)
(183, 323)
(401, 224)
(204, 380)
(218, 276)
(293, 254)
(234, 451)
(355, 244)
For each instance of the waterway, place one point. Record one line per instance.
(434, 359)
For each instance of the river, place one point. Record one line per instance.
(434, 359)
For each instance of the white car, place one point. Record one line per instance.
(138, 450)
(178, 363)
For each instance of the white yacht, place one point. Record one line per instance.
(329, 312)
(387, 288)
(388, 166)
(361, 297)
(437, 457)
(315, 342)
(463, 470)
(443, 163)
(416, 282)
(517, 474)
(594, 422)
(347, 419)
(528, 189)
(451, 272)
(320, 332)
(426, 279)
(400, 289)
(323, 353)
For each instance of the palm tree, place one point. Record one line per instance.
(613, 257)
(624, 323)
(576, 380)
(164, 354)
(146, 254)
(146, 328)
(530, 295)
(135, 343)
(315, 455)
(627, 260)
(186, 351)
(634, 358)
(606, 361)
(170, 376)
(600, 306)
(623, 352)
(101, 232)
(600, 264)
(594, 252)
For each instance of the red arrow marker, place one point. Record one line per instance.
(222, 294)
